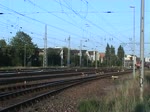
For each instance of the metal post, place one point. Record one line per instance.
(133, 40)
(142, 49)
(45, 48)
(110, 58)
(61, 54)
(80, 53)
(68, 58)
(124, 60)
(24, 55)
(87, 61)
(95, 59)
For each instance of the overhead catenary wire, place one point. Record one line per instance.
(32, 18)
(57, 16)
(75, 12)
(71, 22)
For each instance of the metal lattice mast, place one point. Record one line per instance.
(45, 48)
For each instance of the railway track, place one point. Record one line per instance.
(30, 72)
(14, 83)
(32, 95)
(13, 77)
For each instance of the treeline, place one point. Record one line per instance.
(112, 58)
(21, 51)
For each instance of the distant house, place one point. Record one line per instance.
(147, 59)
(41, 52)
(93, 55)
(77, 52)
(128, 60)
(74, 52)
(101, 57)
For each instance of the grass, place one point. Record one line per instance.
(89, 106)
(124, 99)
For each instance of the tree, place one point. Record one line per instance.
(65, 55)
(24, 47)
(34, 59)
(3, 43)
(113, 56)
(107, 54)
(120, 55)
(110, 56)
(5, 54)
(54, 58)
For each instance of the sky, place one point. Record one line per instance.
(92, 22)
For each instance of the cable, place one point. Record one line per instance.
(33, 19)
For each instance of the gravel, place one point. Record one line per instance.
(68, 100)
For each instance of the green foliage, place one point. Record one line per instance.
(120, 55)
(20, 46)
(147, 77)
(75, 60)
(23, 45)
(110, 56)
(65, 52)
(54, 58)
(88, 106)
(3, 43)
(125, 98)
(111, 59)
(5, 54)
(140, 108)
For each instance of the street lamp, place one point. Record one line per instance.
(133, 7)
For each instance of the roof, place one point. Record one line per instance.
(91, 52)
(102, 55)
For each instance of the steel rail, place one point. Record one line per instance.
(39, 77)
(34, 99)
(39, 87)
(40, 71)
(47, 71)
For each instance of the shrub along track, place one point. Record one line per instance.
(34, 94)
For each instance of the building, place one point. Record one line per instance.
(147, 59)
(128, 60)
(101, 57)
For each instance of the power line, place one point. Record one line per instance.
(70, 8)
(33, 19)
(38, 20)
(55, 15)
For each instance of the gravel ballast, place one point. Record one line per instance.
(68, 100)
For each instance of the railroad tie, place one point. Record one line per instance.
(83, 74)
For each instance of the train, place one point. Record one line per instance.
(146, 64)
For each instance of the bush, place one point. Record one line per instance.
(124, 99)
(88, 106)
